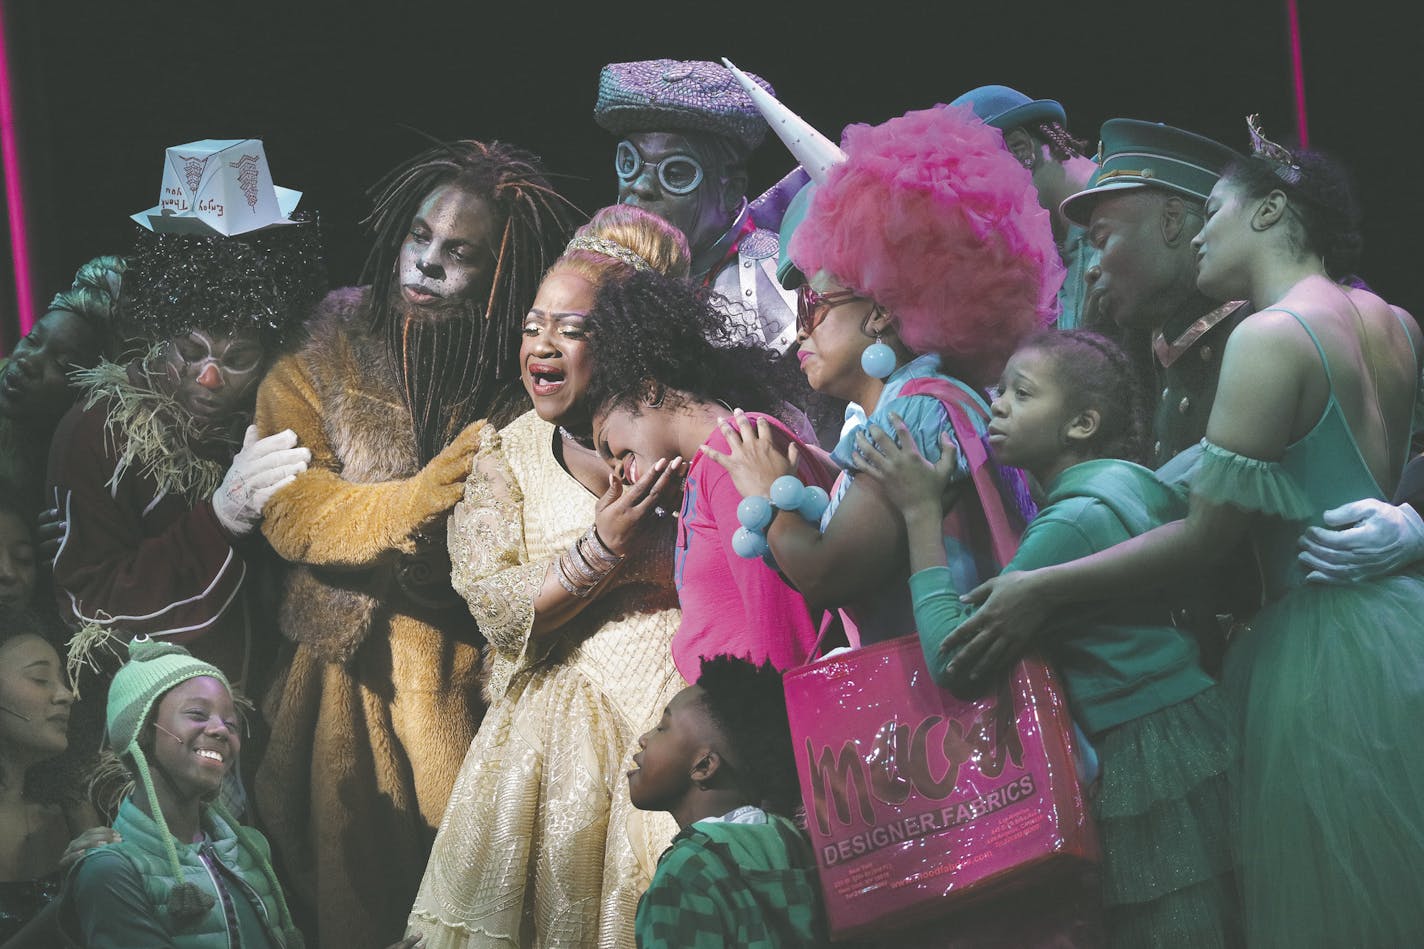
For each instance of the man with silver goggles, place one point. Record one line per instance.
(687, 130)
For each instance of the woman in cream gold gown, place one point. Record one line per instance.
(569, 574)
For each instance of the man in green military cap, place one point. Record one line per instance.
(1141, 211)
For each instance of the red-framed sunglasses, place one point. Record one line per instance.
(812, 307)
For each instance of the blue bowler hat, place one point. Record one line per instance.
(1006, 108)
(1136, 154)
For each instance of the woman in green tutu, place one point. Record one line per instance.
(1312, 411)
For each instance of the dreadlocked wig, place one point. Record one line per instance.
(452, 369)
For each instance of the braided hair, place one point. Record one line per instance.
(628, 230)
(1061, 145)
(747, 705)
(1095, 373)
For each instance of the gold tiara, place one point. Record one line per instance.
(608, 248)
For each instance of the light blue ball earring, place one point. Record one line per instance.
(878, 360)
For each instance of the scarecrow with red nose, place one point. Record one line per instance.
(158, 476)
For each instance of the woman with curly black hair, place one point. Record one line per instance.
(668, 367)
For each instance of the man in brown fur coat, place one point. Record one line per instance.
(380, 699)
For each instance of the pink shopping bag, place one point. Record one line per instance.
(918, 802)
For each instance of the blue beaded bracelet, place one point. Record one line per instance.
(755, 514)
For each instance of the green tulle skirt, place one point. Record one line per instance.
(1164, 817)
(1328, 683)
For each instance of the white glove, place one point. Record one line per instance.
(1383, 538)
(262, 468)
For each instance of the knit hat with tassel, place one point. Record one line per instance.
(152, 670)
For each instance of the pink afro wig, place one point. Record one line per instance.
(932, 218)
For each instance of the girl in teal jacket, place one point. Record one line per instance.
(1066, 412)
(184, 873)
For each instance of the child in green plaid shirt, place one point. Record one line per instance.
(721, 762)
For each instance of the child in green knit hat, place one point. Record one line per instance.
(185, 873)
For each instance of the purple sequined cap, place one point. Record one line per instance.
(669, 95)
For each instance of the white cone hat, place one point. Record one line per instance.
(816, 153)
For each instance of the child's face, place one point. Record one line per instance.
(1030, 413)
(669, 753)
(196, 741)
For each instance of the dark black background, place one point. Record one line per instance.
(334, 91)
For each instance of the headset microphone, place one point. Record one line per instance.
(15, 713)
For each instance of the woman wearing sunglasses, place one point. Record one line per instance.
(930, 258)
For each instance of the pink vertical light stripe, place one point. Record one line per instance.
(1297, 71)
(14, 192)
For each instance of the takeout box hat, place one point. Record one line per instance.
(218, 186)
